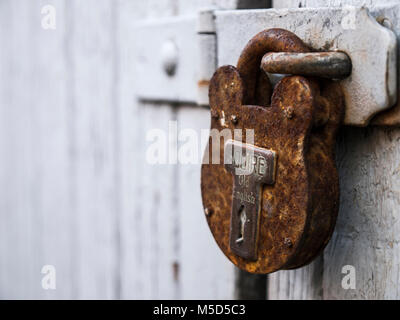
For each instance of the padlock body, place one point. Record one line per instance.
(297, 211)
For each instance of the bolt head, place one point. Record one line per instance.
(234, 119)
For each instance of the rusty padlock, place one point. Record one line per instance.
(271, 204)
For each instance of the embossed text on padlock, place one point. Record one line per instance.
(251, 167)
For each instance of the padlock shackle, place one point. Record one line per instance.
(270, 40)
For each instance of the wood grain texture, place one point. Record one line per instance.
(367, 229)
(76, 190)
(34, 152)
(367, 232)
(60, 155)
(162, 231)
(95, 150)
(149, 227)
(326, 3)
(202, 265)
(250, 286)
(300, 284)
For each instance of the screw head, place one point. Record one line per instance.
(208, 212)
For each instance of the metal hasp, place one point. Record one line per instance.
(177, 56)
(370, 89)
(294, 128)
(251, 168)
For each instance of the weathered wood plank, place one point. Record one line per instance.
(367, 232)
(326, 3)
(204, 270)
(300, 284)
(131, 136)
(49, 92)
(95, 148)
(149, 227)
(34, 185)
(18, 204)
(161, 209)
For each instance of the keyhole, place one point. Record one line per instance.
(243, 218)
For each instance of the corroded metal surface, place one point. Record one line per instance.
(330, 65)
(389, 118)
(297, 212)
(251, 168)
(271, 40)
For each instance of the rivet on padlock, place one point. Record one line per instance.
(274, 201)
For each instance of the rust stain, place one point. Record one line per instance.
(203, 83)
(390, 118)
(175, 271)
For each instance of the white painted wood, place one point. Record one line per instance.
(17, 203)
(160, 209)
(203, 266)
(300, 284)
(176, 36)
(95, 148)
(34, 151)
(149, 228)
(328, 3)
(367, 232)
(130, 137)
(50, 145)
(59, 190)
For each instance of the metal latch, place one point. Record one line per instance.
(194, 46)
(372, 86)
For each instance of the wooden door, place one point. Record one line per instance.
(77, 193)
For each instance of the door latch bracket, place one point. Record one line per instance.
(370, 89)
